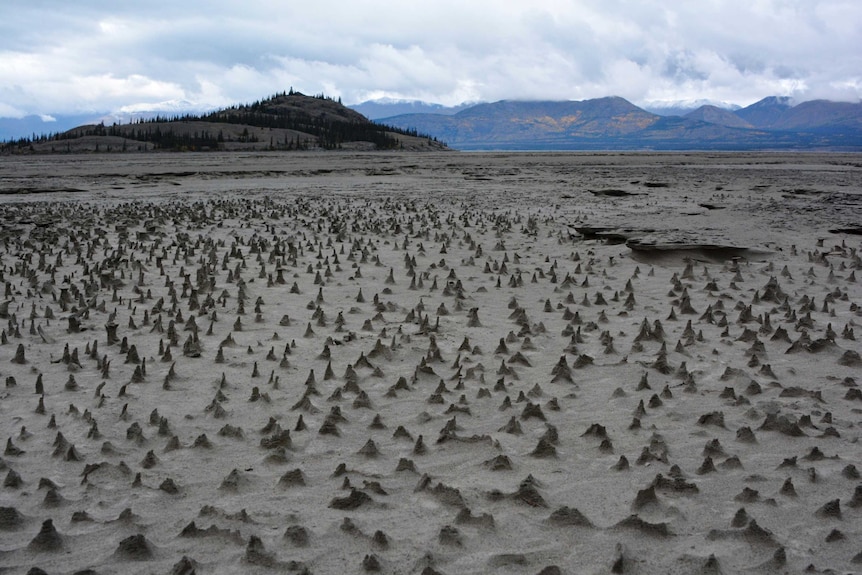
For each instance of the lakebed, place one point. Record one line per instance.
(441, 362)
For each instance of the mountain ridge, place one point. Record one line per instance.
(614, 123)
(715, 115)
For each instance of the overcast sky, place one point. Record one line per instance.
(71, 56)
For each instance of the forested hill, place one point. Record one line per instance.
(288, 121)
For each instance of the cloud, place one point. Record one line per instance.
(7, 111)
(62, 57)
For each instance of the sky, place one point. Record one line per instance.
(82, 56)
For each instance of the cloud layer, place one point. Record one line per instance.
(60, 57)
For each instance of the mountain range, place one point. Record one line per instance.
(294, 121)
(613, 123)
(381, 108)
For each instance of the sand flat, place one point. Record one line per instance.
(452, 363)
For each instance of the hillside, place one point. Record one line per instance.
(287, 122)
(821, 115)
(765, 113)
(715, 115)
(613, 123)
